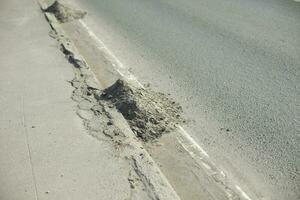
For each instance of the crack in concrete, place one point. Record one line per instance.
(29, 150)
(145, 179)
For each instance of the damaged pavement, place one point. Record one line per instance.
(116, 108)
(104, 131)
(47, 151)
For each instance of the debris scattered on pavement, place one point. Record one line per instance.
(149, 114)
(63, 13)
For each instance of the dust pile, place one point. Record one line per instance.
(63, 13)
(149, 114)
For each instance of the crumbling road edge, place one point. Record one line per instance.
(85, 90)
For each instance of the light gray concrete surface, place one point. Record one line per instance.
(45, 153)
(234, 65)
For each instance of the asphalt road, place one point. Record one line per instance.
(234, 65)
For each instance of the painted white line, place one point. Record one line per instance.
(206, 165)
(122, 70)
(242, 193)
(119, 67)
(193, 142)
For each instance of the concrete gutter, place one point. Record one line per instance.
(155, 183)
(54, 144)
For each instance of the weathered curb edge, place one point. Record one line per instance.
(154, 181)
(222, 180)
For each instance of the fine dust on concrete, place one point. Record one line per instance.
(63, 13)
(149, 114)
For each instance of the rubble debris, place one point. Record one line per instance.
(149, 114)
(63, 13)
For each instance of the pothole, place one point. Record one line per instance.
(149, 114)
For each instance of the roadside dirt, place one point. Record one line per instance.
(63, 13)
(149, 114)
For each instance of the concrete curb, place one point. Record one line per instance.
(141, 162)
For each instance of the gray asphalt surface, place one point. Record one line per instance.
(234, 65)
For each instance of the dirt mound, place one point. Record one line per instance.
(63, 13)
(149, 114)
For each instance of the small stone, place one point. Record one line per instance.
(116, 133)
(162, 129)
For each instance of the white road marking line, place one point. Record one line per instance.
(193, 142)
(242, 193)
(119, 67)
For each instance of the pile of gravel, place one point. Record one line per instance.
(149, 114)
(63, 13)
